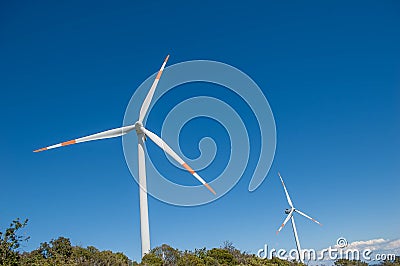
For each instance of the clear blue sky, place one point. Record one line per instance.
(330, 71)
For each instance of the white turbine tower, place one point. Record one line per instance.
(290, 212)
(141, 132)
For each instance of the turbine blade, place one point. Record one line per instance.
(147, 100)
(285, 221)
(112, 133)
(305, 215)
(164, 146)
(287, 194)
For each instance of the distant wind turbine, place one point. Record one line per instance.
(141, 132)
(290, 212)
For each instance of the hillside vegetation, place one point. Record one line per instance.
(60, 251)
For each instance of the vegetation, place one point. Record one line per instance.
(60, 251)
(224, 256)
(57, 252)
(345, 262)
(10, 241)
(396, 262)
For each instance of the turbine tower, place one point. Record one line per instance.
(290, 213)
(142, 133)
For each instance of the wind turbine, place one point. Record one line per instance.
(142, 133)
(290, 213)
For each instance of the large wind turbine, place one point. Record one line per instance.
(141, 132)
(290, 212)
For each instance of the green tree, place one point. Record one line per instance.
(241, 258)
(169, 255)
(222, 256)
(60, 252)
(346, 262)
(151, 259)
(10, 241)
(207, 260)
(395, 262)
(190, 259)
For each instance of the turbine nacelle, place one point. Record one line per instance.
(287, 211)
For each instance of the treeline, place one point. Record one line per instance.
(57, 252)
(61, 252)
(226, 255)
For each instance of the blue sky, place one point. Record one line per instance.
(330, 71)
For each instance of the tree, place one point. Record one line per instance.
(60, 252)
(239, 257)
(169, 255)
(346, 262)
(395, 262)
(151, 259)
(10, 241)
(222, 256)
(190, 259)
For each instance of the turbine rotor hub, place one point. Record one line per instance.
(138, 128)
